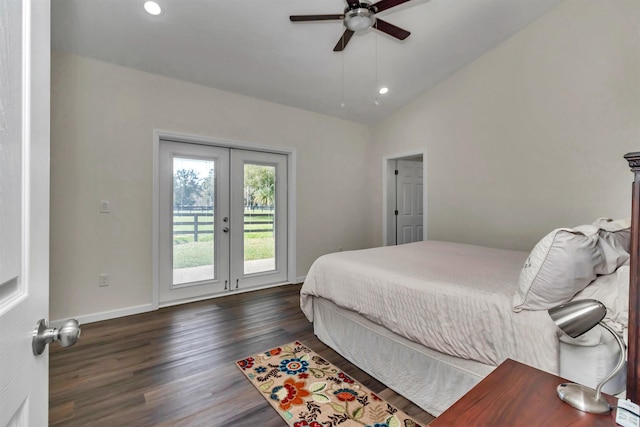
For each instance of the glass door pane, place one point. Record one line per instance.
(259, 218)
(193, 219)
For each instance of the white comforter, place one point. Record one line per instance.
(450, 297)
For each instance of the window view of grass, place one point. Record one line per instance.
(194, 192)
(192, 254)
(189, 253)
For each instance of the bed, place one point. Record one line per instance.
(431, 319)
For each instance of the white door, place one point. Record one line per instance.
(409, 209)
(24, 208)
(259, 224)
(223, 221)
(194, 212)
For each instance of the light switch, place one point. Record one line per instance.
(103, 280)
(104, 206)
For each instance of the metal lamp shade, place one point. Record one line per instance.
(577, 317)
(574, 319)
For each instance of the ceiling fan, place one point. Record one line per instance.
(360, 15)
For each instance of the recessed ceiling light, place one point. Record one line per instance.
(383, 90)
(152, 8)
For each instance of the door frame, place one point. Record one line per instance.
(389, 192)
(202, 140)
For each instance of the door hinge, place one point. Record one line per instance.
(396, 172)
(396, 212)
(237, 283)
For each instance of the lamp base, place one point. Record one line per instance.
(583, 398)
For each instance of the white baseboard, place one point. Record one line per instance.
(106, 315)
(221, 295)
(301, 279)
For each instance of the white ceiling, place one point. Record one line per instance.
(250, 47)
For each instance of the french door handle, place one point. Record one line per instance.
(67, 335)
(226, 229)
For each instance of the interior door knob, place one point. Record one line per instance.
(67, 335)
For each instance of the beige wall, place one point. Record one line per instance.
(527, 138)
(102, 121)
(530, 136)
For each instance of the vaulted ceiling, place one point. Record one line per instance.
(251, 47)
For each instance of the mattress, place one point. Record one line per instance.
(453, 298)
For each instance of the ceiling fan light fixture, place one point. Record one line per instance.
(383, 90)
(359, 19)
(358, 16)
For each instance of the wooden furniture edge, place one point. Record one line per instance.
(515, 394)
(633, 351)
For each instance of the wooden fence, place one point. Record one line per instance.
(202, 222)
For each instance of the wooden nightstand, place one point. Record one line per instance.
(518, 395)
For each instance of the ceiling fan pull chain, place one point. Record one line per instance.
(342, 105)
(376, 101)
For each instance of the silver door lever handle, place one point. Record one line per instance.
(67, 335)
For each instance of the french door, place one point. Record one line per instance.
(223, 220)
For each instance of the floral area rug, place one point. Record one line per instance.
(308, 391)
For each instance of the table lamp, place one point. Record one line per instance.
(574, 319)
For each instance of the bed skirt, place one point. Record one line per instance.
(430, 379)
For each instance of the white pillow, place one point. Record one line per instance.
(614, 240)
(560, 265)
(613, 291)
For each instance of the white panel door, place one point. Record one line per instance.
(24, 208)
(409, 187)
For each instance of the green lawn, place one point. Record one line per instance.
(195, 254)
(259, 248)
(187, 253)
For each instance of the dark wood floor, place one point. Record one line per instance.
(175, 366)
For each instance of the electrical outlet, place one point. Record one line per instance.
(104, 206)
(103, 280)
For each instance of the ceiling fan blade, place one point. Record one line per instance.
(353, 3)
(343, 41)
(386, 4)
(391, 29)
(301, 18)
